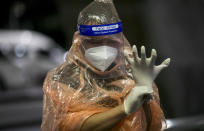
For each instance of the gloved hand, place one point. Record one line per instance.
(144, 72)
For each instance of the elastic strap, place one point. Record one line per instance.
(97, 30)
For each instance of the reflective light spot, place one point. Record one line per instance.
(20, 51)
(76, 40)
(169, 123)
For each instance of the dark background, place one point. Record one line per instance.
(175, 28)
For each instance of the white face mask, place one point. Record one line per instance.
(101, 57)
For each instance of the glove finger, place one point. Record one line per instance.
(153, 57)
(135, 53)
(166, 62)
(143, 55)
(163, 65)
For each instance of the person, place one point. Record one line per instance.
(103, 84)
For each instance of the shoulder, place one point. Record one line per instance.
(67, 74)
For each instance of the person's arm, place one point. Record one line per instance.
(144, 72)
(104, 121)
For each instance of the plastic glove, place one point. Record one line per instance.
(144, 72)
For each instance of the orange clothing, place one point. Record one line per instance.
(72, 93)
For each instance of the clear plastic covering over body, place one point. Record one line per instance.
(76, 90)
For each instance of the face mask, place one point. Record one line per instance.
(101, 57)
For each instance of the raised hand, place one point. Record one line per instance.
(144, 72)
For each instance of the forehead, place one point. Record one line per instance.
(100, 40)
(103, 37)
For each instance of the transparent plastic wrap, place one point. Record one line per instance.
(100, 31)
(99, 12)
(76, 90)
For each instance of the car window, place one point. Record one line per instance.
(2, 57)
(43, 53)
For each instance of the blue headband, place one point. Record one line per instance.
(97, 30)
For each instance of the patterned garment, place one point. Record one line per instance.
(73, 92)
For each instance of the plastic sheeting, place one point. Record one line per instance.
(72, 94)
(99, 12)
(76, 90)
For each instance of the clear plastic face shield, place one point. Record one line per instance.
(101, 37)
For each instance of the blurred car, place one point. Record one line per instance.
(26, 57)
